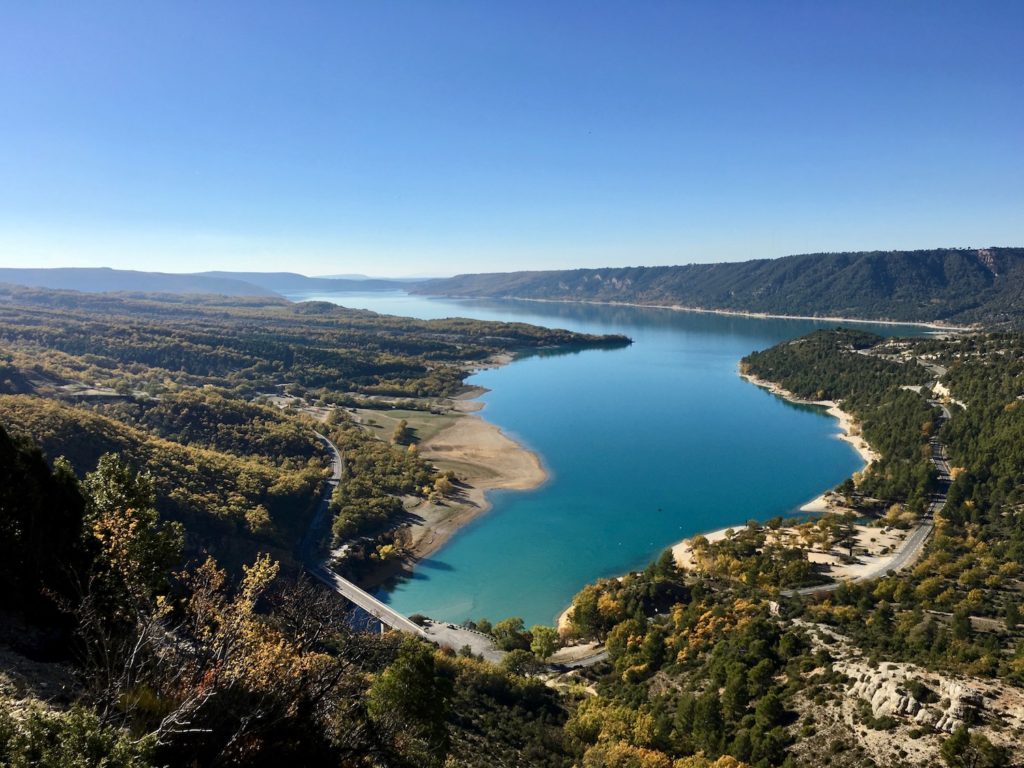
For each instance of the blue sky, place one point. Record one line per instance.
(428, 138)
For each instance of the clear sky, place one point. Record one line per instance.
(428, 138)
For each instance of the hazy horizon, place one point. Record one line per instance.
(444, 139)
(397, 277)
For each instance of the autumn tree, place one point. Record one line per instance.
(402, 434)
(131, 556)
(133, 552)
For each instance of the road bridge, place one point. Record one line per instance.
(319, 569)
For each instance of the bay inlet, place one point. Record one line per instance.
(644, 446)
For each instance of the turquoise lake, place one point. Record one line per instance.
(645, 446)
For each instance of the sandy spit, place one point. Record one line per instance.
(485, 459)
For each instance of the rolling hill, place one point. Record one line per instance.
(105, 280)
(942, 285)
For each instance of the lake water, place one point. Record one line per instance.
(645, 446)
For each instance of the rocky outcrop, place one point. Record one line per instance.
(965, 705)
(886, 691)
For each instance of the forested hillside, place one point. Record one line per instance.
(253, 345)
(161, 667)
(947, 285)
(231, 503)
(159, 469)
(183, 387)
(148, 569)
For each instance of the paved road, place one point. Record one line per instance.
(443, 634)
(308, 548)
(366, 601)
(337, 462)
(318, 568)
(913, 545)
(586, 661)
(456, 638)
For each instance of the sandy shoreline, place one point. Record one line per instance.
(682, 551)
(485, 459)
(849, 426)
(850, 434)
(735, 312)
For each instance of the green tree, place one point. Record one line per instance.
(544, 642)
(955, 748)
(759, 678)
(510, 634)
(735, 697)
(519, 662)
(1012, 615)
(961, 623)
(708, 726)
(964, 749)
(846, 535)
(410, 699)
(74, 739)
(133, 551)
(769, 711)
(585, 618)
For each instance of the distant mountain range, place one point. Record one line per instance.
(944, 285)
(104, 280)
(957, 286)
(285, 282)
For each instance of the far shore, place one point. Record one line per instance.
(936, 326)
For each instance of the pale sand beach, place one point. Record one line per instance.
(935, 326)
(849, 426)
(482, 457)
(485, 459)
(683, 552)
(874, 547)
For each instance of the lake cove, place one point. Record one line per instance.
(644, 446)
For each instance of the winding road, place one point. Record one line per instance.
(444, 634)
(455, 636)
(319, 569)
(913, 545)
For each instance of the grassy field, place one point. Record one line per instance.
(424, 425)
